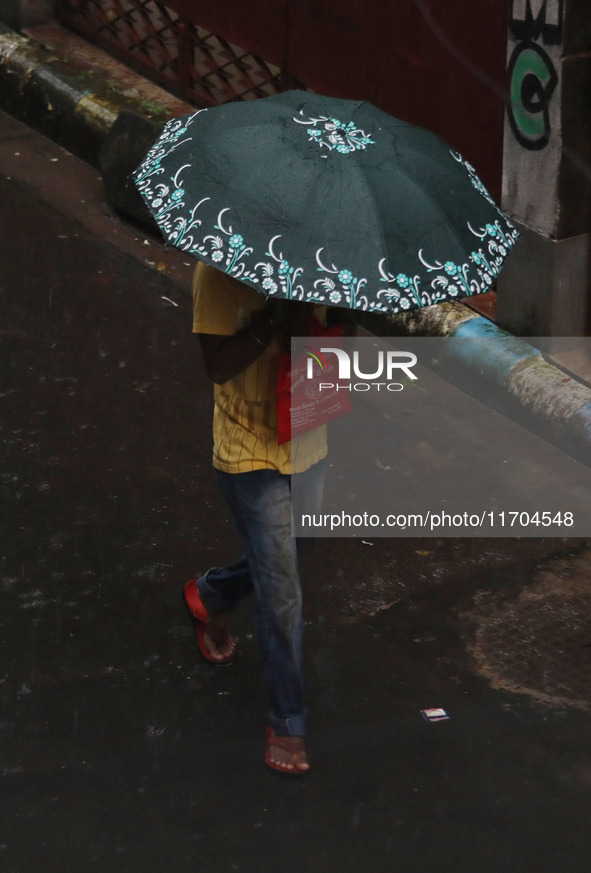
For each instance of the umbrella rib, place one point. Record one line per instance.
(376, 212)
(434, 204)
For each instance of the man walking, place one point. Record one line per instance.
(242, 335)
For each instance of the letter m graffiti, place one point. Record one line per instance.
(532, 19)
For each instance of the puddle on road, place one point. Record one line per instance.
(539, 643)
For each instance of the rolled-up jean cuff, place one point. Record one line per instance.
(295, 726)
(226, 598)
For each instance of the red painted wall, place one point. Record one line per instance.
(434, 63)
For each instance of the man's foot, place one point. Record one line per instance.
(221, 646)
(286, 754)
(212, 627)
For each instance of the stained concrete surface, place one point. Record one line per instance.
(120, 750)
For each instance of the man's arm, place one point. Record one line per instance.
(226, 356)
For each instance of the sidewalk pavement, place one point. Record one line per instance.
(75, 104)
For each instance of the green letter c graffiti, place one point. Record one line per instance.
(532, 80)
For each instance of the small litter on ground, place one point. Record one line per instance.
(434, 714)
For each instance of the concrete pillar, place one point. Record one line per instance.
(20, 14)
(544, 290)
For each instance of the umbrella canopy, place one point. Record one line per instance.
(325, 200)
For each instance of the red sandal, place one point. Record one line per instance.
(293, 745)
(203, 627)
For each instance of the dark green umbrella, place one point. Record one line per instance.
(312, 198)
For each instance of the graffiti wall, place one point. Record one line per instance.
(536, 28)
(533, 146)
(547, 167)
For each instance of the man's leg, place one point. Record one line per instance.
(222, 588)
(211, 599)
(261, 505)
(307, 491)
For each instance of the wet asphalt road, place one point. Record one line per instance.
(119, 749)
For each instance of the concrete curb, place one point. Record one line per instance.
(550, 401)
(61, 100)
(79, 109)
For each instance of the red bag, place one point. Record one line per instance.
(305, 403)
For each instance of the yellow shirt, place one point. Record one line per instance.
(245, 411)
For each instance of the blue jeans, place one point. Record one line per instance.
(260, 502)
